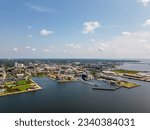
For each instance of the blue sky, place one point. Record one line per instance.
(75, 29)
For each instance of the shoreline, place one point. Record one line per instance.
(65, 81)
(62, 81)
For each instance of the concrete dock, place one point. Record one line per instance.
(99, 88)
(109, 89)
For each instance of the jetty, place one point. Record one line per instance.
(100, 88)
(109, 89)
(88, 83)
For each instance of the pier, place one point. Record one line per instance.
(89, 83)
(99, 88)
(109, 89)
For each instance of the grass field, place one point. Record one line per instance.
(21, 82)
(21, 85)
(127, 84)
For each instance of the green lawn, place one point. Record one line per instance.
(18, 83)
(128, 84)
(22, 87)
(19, 86)
(21, 82)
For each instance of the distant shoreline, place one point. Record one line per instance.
(118, 60)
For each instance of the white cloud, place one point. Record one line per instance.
(75, 46)
(71, 52)
(52, 46)
(134, 46)
(28, 47)
(38, 8)
(147, 23)
(64, 51)
(126, 33)
(100, 48)
(29, 27)
(29, 36)
(90, 27)
(99, 43)
(104, 45)
(142, 40)
(93, 40)
(45, 32)
(147, 46)
(90, 49)
(140, 35)
(46, 50)
(137, 45)
(33, 50)
(144, 2)
(15, 49)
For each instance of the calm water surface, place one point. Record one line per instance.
(78, 97)
(143, 65)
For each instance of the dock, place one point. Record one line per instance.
(98, 88)
(109, 89)
(89, 83)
